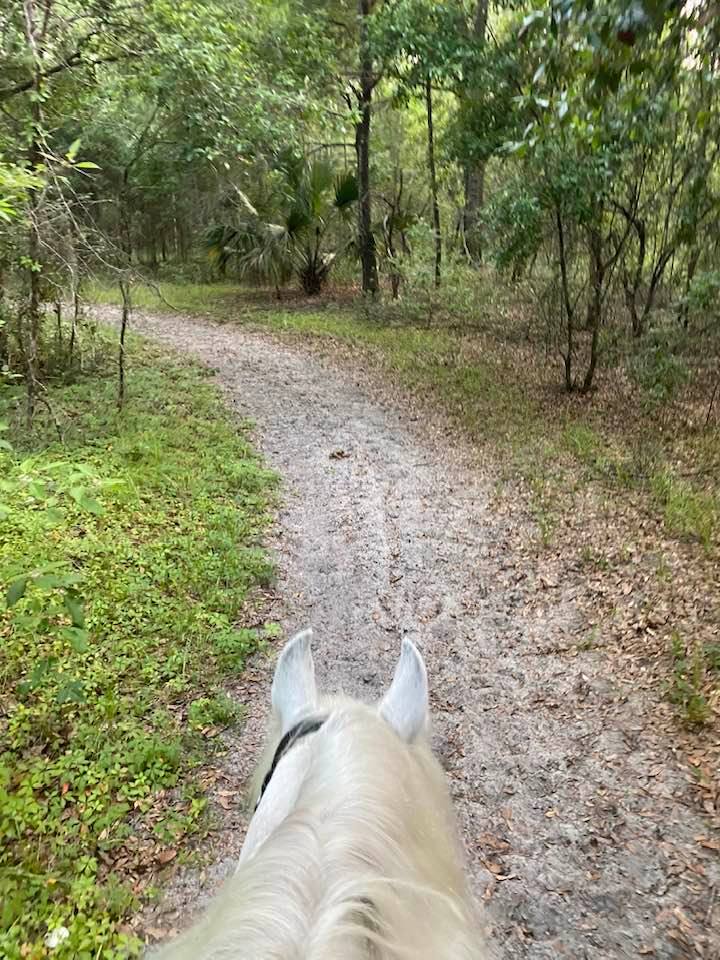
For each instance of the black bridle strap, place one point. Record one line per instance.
(300, 730)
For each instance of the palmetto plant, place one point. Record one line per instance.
(286, 230)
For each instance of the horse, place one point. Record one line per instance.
(352, 851)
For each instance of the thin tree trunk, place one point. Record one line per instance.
(4, 341)
(75, 316)
(125, 319)
(684, 309)
(366, 240)
(34, 318)
(474, 178)
(712, 401)
(58, 324)
(433, 182)
(597, 278)
(567, 304)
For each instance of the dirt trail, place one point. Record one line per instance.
(577, 820)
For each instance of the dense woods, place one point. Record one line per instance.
(514, 206)
(572, 145)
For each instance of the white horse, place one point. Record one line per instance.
(352, 852)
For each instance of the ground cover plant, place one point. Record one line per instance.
(130, 556)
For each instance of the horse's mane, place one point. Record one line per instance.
(365, 866)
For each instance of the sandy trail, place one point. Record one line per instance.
(577, 819)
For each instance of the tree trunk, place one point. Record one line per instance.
(125, 294)
(30, 344)
(567, 303)
(595, 279)
(594, 313)
(433, 182)
(75, 315)
(475, 172)
(366, 240)
(692, 264)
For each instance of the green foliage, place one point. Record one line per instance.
(687, 511)
(127, 558)
(658, 366)
(15, 182)
(685, 689)
(514, 225)
(285, 230)
(703, 296)
(217, 711)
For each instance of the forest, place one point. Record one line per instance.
(501, 220)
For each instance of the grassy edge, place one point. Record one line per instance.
(166, 540)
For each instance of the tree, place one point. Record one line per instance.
(366, 84)
(474, 172)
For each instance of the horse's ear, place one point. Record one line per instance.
(293, 687)
(405, 705)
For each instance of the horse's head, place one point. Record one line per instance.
(299, 712)
(351, 851)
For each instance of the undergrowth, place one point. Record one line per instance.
(128, 555)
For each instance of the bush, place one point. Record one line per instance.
(658, 367)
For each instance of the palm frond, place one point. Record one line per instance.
(346, 190)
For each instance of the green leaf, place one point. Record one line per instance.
(86, 165)
(74, 607)
(49, 581)
(72, 692)
(85, 502)
(16, 591)
(72, 152)
(77, 637)
(92, 506)
(5, 445)
(346, 191)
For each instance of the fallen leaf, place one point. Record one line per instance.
(709, 844)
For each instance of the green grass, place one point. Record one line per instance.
(128, 556)
(687, 512)
(688, 678)
(214, 300)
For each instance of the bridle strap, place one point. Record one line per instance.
(301, 729)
